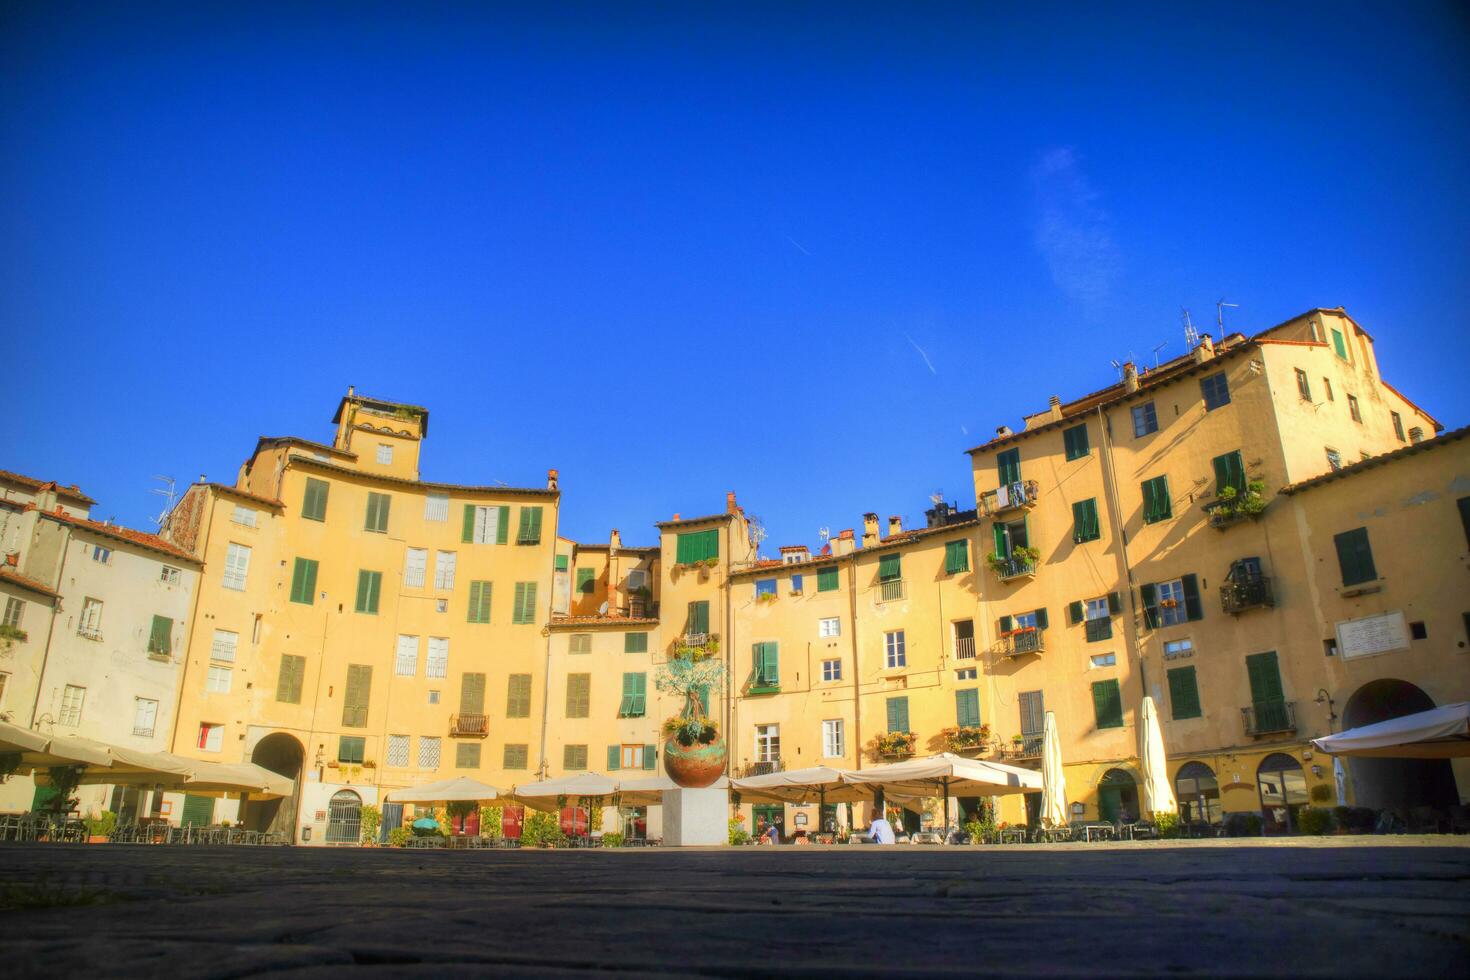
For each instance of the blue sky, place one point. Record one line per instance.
(807, 253)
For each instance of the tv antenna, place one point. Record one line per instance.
(757, 533)
(1156, 353)
(1117, 366)
(1220, 314)
(937, 497)
(824, 533)
(1191, 335)
(167, 492)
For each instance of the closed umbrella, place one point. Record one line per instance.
(1158, 793)
(1053, 778)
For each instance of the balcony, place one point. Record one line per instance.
(764, 768)
(1013, 496)
(1014, 567)
(1269, 717)
(891, 590)
(964, 648)
(1018, 643)
(1023, 747)
(469, 726)
(763, 682)
(1246, 593)
(90, 632)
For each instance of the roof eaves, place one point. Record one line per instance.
(425, 484)
(26, 582)
(694, 520)
(1352, 469)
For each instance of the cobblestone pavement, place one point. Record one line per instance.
(1330, 906)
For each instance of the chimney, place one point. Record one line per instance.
(551, 478)
(351, 391)
(1001, 431)
(843, 543)
(870, 529)
(730, 506)
(1130, 377)
(895, 525)
(614, 541)
(1206, 349)
(938, 515)
(203, 478)
(1054, 407)
(676, 515)
(46, 499)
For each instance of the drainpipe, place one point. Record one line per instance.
(51, 629)
(203, 549)
(857, 697)
(1114, 509)
(729, 651)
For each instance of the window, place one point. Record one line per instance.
(314, 504)
(1156, 504)
(956, 557)
(1074, 441)
(385, 454)
(834, 739)
(1334, 459)
(579, 695)
(243, 516)
(377, 513)
(436, 508)
(1171, 603)
(1416, 435)
(1183, 693)
(415, 563)
(574, 757)
(893, 648)
(518, 696)
(1216, 391)
(635, 642)
(397, 755)
(369, 587)
(637, 579)
(767, 743)
(479, 602)
(524, 610)
(145, 716)
(1107, 704)
(635, 695)
(766, 676)
(89, 624)
(967, 707)
(211, 736)
(1008, 467)
(169, 575)
(516, 757)
(1418, 630)
(436, 664)
(467, 755)
(1338, 344)
(160, 636)
(890, 567)
(1145, 420)
(1268, 697)
(1229, 472)
(1398, 425)
(796, 585)
(1175, 649)
(1355, 556)
(765, 586)
(579, 643)
(966, 674)
(434, 697)
(831, 670)
(829, 626)
(695, 546)
(429, 752)
(1099, 622)
(444, 563)
(1104, 659)
(633, 757)
(898, 714)
(303, 581)
(217, 681)
(1303, 386)
(355, 696)
(406, 658)
(827, 579)
(288, 683)
(101, 555)
(351, 749)
(485, 525)
(237, 566)
(1084, 521)
(529, 531)
(586, 580)
(1353, 408)
(15, 609)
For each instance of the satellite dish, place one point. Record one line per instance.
(602, 609)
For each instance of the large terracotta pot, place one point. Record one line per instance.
(695, 766)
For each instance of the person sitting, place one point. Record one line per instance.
(880, 830)
(771, 835)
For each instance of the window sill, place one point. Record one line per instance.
(1362, 588)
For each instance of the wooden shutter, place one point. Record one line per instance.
(1265, 678)
(355, 697)
(1149, 595)
(1183, 693)
(198, 811)
(1033, 712)
(1107, 704)
(502, 524)
(1229, 472)
(529, 531)
(967, 708)
(525, 603)
(827, 578)
(698, 620)
(314, 503)
(467, 530)
(635, 642)
(957, 557)
(518, 696)
(1008, 467)
(1355, 556)
(889, 567)
(579, 695)
(288, 684)
(1074, 440)
(614, 758)
(1006, 624)
(898, 714)
(1115, 603)
(640, 694)
(1041, 619)
(1074, 613)
(303, 581)
(472, 694)
(479, 611)
(161, 635)
(368, 586)
(1193, 608)
(1002, 540)
(650, 757)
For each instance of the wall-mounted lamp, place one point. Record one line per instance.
(1324, 698)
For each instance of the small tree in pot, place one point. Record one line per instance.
(694, 749)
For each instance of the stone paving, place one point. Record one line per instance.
(1306, 907)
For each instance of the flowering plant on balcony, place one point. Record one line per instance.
(965, 737)
(765, 597)
(695, 652)
(12, 634)
(1231, 504)
(893, 743)
(1019, 556)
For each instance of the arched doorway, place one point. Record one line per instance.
(280, 753)
(1396, 784)
(1117, 797)
(344, 817)
(1283, 788)
(1198, 792)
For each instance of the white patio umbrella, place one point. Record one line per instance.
(950, 774)
(1158, 792)
(459, 790)
(1439, 733)
(543, 795)
(40, 751)
(649, 790)
(1053, 778)
(821, 783)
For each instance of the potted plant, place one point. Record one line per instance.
(694, 749)
(962, 737)
(893, 744)
(765, 597)
(11, 635)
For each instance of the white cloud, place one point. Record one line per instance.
(1072, 228)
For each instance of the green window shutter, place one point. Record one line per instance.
(524, 610)
(1149, 594)
(160, 637)
(1002, 540)
(827, 579)
(684, 549)
(467, 530)
(350, 748)
(1265, 678)
(586, 580)
(529, 531)
(1084, 520)
(889, 567)
(562, 563)
(898, 714)
(1075, 441)
(1041, 620)
(1156, 503)
(967, 708)
(472, 694)
(1115, 603)
(614, 758)
(579, 695)
(635, 642)
(1183, 693)
(640, 693)
(1193, 608)
(956, 557)
(368, 586)
(698, 621)
(502, 529)
(314, 504)
(1074, 613)
(1107, 704)
(1355, 556)
(1099, 629)
(303, 581)
(355, 697)
(1338, 344)
(288, 684)
(650, 757)
(479, 611)
(1229, 472)
(1006, 624)
(377, 512)
(518, 696)
(198, 811)
(1008, 467)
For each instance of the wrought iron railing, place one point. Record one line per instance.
(964, 648)
(474, 726)
(87, 632)
(1027, 747)
(1268, 717)
(763, 768)
(1014, 567)
(1020, 642)
(891, 590)
(1022, 493)
(1240, 594)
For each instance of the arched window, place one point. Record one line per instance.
(344, 818)
(1283, 789)
(1198, 792)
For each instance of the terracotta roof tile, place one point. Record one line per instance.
(26, 582)
(72, 492)
(119, 533)
(1352, 469)
(425, 484)
(694, 520)
(246, 494)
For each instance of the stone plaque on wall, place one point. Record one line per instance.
(1371, 635)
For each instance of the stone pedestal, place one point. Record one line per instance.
(695, 817)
